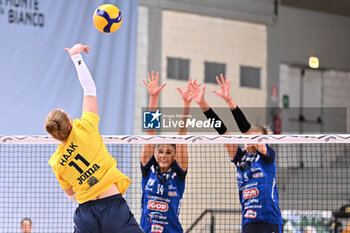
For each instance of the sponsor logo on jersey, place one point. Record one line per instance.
(258, 175)
(150, 182)
(251, 201)
(250, 193)
(273, 190)
(246, 179)
(172, 194)
(253, 207)
(156, 228)
(249, 185)
(254, 169)
(88, 173)
(250, 214)
(170, 187)
(157, 215)
(153, 197)
(157, 205)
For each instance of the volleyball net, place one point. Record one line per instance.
(312, 180)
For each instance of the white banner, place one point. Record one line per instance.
(37, 75)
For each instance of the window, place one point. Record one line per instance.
(250, 77)
(178, 68)
(212, 70)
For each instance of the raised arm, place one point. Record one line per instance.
(85, 78)
(241, 120)
(198, 96)
(181, 149)
(224, 92)
(186, 96)
(154, 90)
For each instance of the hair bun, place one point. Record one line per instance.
(52, 126)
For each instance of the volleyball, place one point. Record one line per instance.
(107, 18)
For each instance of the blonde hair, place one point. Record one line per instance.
(261, 129)
(58, 125)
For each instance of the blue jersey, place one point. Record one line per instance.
(161, 197)
(256, 179)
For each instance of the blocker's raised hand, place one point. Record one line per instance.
(224, 84)
(153, 84)
(187, 95)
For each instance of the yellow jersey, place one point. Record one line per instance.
(84, 163)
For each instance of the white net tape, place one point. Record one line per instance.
(193, 139)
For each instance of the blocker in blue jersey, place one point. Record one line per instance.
(256, 179)
(161, 197)
(256, 166)
(164, 169)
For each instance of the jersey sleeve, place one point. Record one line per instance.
(145, 169)
(238, 156)
(64, 184)
(89, 120)
(269, 157)
(178, 170)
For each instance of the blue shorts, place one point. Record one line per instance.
(262, 227)
(107, 215)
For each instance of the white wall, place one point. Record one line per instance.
(291, 37)
(219, 40)
(298, 34)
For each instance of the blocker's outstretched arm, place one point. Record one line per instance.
(198, 97)
(181, 149)
(154, 90)
(224, 92)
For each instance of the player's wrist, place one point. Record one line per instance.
(228, 99)
(204, 105)
(187, 104)
(76, 56)
(231, 104)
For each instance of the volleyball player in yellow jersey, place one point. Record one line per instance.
(84, 168)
